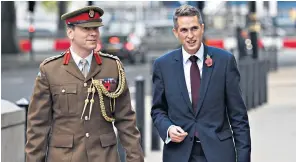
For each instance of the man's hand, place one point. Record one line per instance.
(177, 134)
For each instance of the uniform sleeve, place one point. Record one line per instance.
(125, 122)
(38, 119)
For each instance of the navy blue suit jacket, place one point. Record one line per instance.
(221, 118)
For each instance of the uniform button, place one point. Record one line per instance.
(87, 135)
(63, 90)
(85, 84)
(86, 117)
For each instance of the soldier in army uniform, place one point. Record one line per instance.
(77, 98)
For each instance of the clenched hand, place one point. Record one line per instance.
(177, 134)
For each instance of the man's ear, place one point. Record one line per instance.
(203, 28)
(175, 33)
(70, 33)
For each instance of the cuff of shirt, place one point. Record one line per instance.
(168, 139)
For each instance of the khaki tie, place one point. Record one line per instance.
(84, 69)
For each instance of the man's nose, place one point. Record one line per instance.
(190, 34)
(94, 31)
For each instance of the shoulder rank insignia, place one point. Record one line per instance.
(118, 61)
(52, 58)
(109, 55)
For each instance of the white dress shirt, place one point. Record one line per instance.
(186, 68)
(77, 59)
(187, 65)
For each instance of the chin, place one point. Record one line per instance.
(192, 49)
(92, 47)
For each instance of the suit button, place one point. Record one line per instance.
(85, 84)
(86, 117)
(87, 135)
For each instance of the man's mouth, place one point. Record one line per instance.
(192, 42)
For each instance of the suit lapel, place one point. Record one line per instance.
(94, 69)
(179, 69)
(73, 69)
(206, 76)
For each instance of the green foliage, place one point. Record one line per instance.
(50, 6)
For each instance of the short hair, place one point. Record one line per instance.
(186, 10)
(70, 26)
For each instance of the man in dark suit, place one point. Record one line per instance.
(197, 107)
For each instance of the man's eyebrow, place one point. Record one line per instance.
(195, 26)
(183, 28)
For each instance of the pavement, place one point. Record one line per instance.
(273, 130)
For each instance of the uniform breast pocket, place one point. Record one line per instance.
(65, 98)
(113, 87)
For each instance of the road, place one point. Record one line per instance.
(18, 83)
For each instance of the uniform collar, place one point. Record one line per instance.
(199, 54)
(77, 58)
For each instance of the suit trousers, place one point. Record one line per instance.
(197, 154)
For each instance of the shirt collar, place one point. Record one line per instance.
(199, 54)
(77, 58)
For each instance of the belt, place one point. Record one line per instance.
(196, 139)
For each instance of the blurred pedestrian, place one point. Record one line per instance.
(77, 98)
(197, 107)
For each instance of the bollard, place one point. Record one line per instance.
(249, 71)
(243, 81)
(24, 103)
(256, 82)
(155, 141)
(252, 81)
(265, 86)
(263, 63)
(140, 108)
(273, 59)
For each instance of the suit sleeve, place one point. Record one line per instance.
(159, 110)
(38, 119)
(237, 112)
(125, 122)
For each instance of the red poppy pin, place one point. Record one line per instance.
(209, 61)
(107, 85)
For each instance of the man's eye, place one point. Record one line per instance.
(183, 30)
(195, 28)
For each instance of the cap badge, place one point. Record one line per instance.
(91, 13)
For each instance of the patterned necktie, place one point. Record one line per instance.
(195, 81)
(84, 69)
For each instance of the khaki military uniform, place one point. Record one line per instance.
(57, 132)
